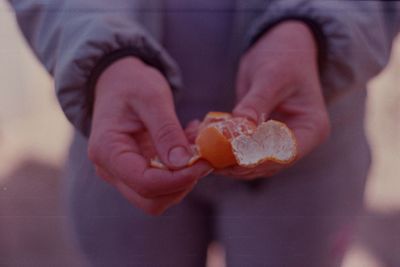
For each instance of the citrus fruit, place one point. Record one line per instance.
(224, 140)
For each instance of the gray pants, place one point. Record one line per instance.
(298, 218)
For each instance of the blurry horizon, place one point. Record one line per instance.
(31, 121)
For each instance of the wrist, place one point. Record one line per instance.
(293, 36)
(124, 76)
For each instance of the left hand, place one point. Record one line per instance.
(279, 77)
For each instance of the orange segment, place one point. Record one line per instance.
(214, 147)
(215, 135)
(224, 141)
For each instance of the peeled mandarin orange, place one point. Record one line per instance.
(225, 141)
(216, 132)
(271, 141)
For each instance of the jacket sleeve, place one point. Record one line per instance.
(354, 37)
(75, 40)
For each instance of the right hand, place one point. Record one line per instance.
(134, 119)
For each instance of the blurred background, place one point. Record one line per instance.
(34, 140)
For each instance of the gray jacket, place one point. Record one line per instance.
(76, 40)
(320, 195)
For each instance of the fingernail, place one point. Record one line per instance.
(178, 157)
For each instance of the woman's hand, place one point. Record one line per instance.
(134, 119)
(279, 77)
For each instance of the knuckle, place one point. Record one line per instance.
(249, 110)
(262, 96)
(158, 77)
(258, 100)
(155, 88)
(153, 94)
(316, 130)
(94, 152)
(324, 126)
(101, 174)
(98, 144)
(167, 132)
(149, 94)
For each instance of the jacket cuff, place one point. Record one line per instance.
(142, 52)
(328, 33)
(315, 28)
(77, 72)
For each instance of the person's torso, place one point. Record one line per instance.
(197, 34)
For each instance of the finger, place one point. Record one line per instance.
(242, 176)
(154, 206)
(258, 100)
(236, 171)
(306, 115)
(119, 156)
(152, 182)
(265, 92)
(266, 169)
(192, 130)
(310, 131)
(169, 139)
(158, 182)
(242, 83)
(104, 174)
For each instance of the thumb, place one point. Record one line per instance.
(166, 132)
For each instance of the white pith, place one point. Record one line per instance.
(270, 141)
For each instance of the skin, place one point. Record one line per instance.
(278, 77)
(133, 110)
(134, 117)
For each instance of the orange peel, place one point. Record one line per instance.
(224, 141)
